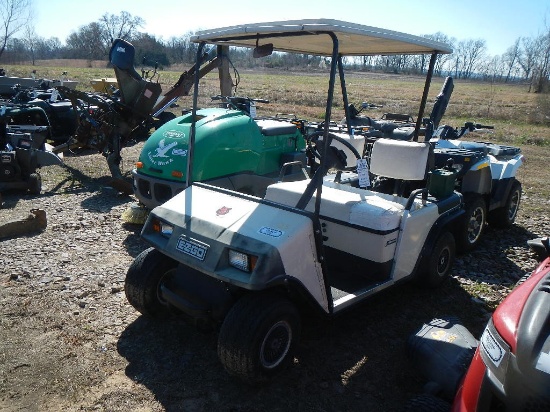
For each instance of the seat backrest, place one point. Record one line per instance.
(399, 159)
(122, 56)
(137, 93)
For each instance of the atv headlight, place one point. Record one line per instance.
(242, 261)
(458, 167)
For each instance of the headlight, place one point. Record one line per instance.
(242, 261)
(163, 228)
(496, 354)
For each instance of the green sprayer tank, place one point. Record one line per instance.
(232, 150)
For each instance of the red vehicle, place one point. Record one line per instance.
(510, 369)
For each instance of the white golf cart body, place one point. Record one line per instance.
(320, 242)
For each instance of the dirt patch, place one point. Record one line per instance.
(69, 341)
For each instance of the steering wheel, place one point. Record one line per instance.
(335, 156)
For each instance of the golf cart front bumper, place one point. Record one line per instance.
(236, 241)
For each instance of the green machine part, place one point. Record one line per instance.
(227, 142)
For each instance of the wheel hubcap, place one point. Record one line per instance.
(276, 345)
(475, 225)
(443, 262)
(514, 205)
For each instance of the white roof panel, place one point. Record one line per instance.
(310, 37)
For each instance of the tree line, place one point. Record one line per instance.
(527, 60)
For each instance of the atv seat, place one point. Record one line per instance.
(137, 93)
(270, 127)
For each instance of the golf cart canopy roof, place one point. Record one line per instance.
(296, 36)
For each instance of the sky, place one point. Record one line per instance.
(498, 22)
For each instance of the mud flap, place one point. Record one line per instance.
(442, 350)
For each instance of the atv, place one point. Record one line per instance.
(254, 267)
(508, 369)
(486, 176)
(23, 150)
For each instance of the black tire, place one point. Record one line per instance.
(475, 219)
(427, 403)
(143, 280)
(35, 183)
(505, 216)
(258, 337)
(439, 261)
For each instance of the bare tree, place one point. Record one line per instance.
(541, 74)
(30, 40)
(15, 14)
(468, 56)
(181, 49)
(124, 26)
(86, 43)
(528, 56)
(511, 57)
(442, 59)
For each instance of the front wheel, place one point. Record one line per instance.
(439, 261)
(258, 337)
(505, 216)
(475, 214)
(143, 282)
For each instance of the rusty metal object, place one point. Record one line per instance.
(35, 221)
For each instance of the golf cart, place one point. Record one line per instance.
(254, 266)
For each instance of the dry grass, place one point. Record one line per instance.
(518, 116)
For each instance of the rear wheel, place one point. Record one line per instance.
(258, 337)
(143, 281)
(505, 216)
(475, 219)
(439, 262)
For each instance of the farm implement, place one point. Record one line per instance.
(108, 121)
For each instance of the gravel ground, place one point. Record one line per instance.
(69, 341)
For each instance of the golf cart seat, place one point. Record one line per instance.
(362, 216)
(404, 163)
(356, 215)
(401, 160)
(138, 94)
